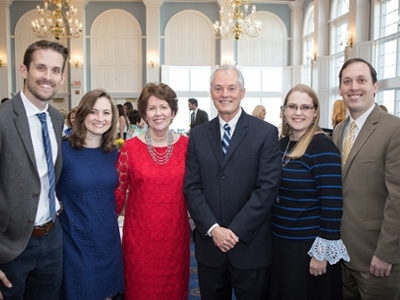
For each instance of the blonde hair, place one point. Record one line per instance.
(339, 112)
(301, 146)
(258, 111)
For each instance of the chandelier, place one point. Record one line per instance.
(237, 21)
(62, 22)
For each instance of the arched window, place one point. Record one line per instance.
(308, 43)
(339, 25)
(387, 54)
(339, 35)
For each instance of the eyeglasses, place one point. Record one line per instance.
(304, 107)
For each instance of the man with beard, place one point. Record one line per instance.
(30, 164)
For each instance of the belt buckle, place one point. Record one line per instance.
(44, 228)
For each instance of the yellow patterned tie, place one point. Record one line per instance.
(348, 143)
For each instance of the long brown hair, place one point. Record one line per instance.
(301, 146)
(79, 130)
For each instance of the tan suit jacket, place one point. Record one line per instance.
(371, 191)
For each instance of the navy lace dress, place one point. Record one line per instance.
(93, 266)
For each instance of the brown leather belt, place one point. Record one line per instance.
(42, 230)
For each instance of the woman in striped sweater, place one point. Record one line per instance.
(307, 214)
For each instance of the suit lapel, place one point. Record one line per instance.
(22, 126)
(215, 139)
(340, 137)
(367, 129)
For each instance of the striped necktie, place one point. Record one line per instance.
(226, 138)
(348, 143)
(50, 166)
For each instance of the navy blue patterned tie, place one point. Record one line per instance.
(50, 165)
(226, 138)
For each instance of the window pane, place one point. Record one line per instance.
(343, 7)
(200, 79)
(309, 27)
(179, 79)
(341, 37)
(389, 18)
(387, 98)
(252, 79)
(272, 79)
(387, 59)
(309, 47)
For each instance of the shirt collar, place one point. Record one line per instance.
(232, 123)
(361, 119)
(29, 107)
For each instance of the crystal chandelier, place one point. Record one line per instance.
(62, 22)
(236, 21)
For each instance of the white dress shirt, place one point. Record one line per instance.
(43, 211)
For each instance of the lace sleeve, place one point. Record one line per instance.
(332, 251)
(123, 179)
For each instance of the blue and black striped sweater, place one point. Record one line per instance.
(309, 202)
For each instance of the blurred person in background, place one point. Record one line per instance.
(259, 112)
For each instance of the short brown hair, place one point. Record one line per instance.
(79, 130)
(372, 71)
(161, 91)
(45, 45)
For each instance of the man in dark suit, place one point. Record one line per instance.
(371, 188)
(198, 116)
(230, 195)
(30, 235)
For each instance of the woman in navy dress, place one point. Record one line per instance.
(92, 247)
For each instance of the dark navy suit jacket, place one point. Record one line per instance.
(236, 191)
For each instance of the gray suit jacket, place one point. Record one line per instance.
(371, 191)
(19, 179)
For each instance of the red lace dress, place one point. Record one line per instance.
(156, 230)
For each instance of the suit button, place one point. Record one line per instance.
(223, 202)
(35, 196)
(30, 221)
(223, 177)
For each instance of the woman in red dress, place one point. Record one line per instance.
(156, 229)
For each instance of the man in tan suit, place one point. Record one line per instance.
(371, 188)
